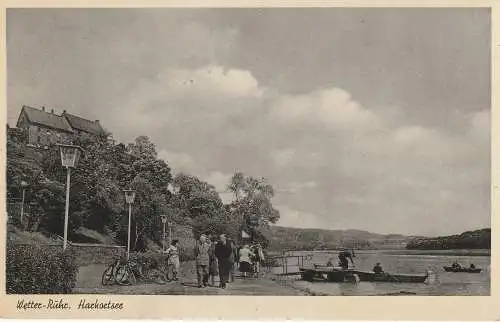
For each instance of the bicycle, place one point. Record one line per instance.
(122, 272)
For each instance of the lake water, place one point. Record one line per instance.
(405, 262)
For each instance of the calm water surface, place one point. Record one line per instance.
(405, 262)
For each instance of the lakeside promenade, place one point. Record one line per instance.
(89, 282)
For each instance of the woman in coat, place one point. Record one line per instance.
(213, 265)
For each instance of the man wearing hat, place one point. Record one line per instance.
(202, 260)
(223, 252)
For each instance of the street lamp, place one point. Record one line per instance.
(24, 184)
(164, 222)
(129, 198)
(70, 154)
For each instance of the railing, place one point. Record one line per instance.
(286, 259)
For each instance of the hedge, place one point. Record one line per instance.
(35, 269)
(154, 260)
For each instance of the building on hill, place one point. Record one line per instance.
(47, 128)
(81, 125)
(44, 128)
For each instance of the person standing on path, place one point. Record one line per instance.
(232, 259)
(202, 260)
(173, 258)
(223, 252)
(213, 266)
(246, 260)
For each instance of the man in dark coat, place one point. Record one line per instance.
(223, 252)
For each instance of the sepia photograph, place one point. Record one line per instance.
(247, 152)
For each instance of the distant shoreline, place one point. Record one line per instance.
(443, 252)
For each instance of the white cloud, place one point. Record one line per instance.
(481, 125)
(299, 186)
(212, 80)
(179, 162)
(330, 108)
(295, 218)
(219, 180)
(282, 157)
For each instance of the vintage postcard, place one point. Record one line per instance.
(330, 160)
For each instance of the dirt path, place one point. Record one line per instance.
(89, 282)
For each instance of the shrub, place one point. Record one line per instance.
(154, 260)
(34, 269)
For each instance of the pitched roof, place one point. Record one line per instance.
(46, 119)
(82, 124)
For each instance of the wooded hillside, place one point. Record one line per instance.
(477, 239)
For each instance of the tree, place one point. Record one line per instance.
(143, 148)
(252, 206)
(202, 204)
(236, 184)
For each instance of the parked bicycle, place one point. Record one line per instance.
(122, 272)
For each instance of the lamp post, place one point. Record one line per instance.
(164, 221)
(169, 232)
(24, 184)
(70, 154)
(129, 198)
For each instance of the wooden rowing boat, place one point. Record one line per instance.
(462, 269)
(392, 278)
(337, 274)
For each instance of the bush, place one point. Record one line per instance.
(33, 269)
(154, 260)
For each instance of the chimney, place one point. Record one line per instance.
(52, 111)
(43, 108)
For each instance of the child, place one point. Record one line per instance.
(173, 258)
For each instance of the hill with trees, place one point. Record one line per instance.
(477, 239)
(310, 239)
(97, 206)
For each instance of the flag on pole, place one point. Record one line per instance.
(244, 234)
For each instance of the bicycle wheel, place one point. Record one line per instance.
(123, 275)
(131, 279)
(169, 274)
(107, 276)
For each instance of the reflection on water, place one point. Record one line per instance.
(406, 262)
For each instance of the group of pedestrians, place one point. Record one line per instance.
(221, 257)
(218, 257)
(214, 258)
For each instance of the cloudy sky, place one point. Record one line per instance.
(375, 119)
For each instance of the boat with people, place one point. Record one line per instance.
(457, 268)
(339, 274)
(462, 269)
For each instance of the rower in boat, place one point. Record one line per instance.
(456, 265)
(344, 255)
(377, 269)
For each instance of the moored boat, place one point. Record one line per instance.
(462, 269)
(392, 278)
(336, 274)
